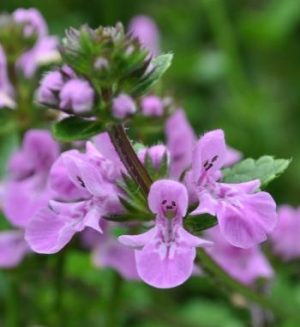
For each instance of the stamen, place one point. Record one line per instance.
(214, 158)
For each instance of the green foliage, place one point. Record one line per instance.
(76, 128)
(197, 224)
(160, 64)
(265, 169)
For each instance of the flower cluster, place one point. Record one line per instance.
(89, 189)
(24, 46)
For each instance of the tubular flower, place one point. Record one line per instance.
(245, 214)
(165, 254)
(285, 238)
(87, 188)
(246, 265)
(27, 189)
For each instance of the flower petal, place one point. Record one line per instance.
(165, 273)
(48, 232)
(13, 248)
(137, 241)
(210, 153)
(170, 191)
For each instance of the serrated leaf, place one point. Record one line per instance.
(197, 224)
(76, 128)
(160, 64)
(265, 169)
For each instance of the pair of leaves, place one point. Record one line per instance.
(265, 169)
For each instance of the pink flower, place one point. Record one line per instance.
(26, 189)
(13, 248)
(245, 215)
(156, 154)
(123, 105)
(6, 89)
(180, 142)
(165, 254)
(77, 96)
(88, 187)
(246, 265)
(152, 106)
(145, 29)
(44, 51)
(32, 20)
(50, 86)
(285, 238)
(107, 252)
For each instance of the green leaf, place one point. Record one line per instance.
(161, 64)
(76, 128)
(265, 169)
(197, 224)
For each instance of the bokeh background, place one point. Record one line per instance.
(237, 67)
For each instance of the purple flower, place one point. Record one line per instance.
(45, 51)
(246, 265)
(123, 105)
(245, 215)
(285, 238)
(108, 252)
(62, 186)
(156, 154)
(13, 248)
(180, 142)
(152, 106)
(33, 21)
(77, 96)
(50, 86)
(105, 147)
(92, 196)
(6, 89)
(165, 254)
(26, 189)
(145, 29)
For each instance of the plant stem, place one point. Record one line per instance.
(114, 301)
(129, 158)
(59, 284)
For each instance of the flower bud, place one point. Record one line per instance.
(49, 87)
(156, 154)
(77, 95)
(152, 106)
(123, 106)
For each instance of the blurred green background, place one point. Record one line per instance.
(236, 66)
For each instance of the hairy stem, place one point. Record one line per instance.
(129, 158)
